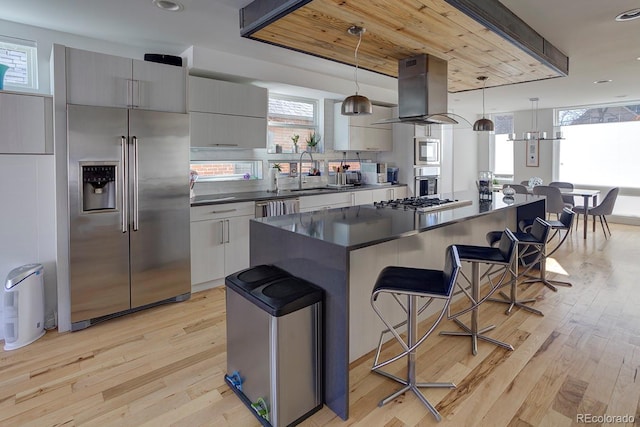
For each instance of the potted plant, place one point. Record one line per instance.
(295, 139)
(313, 139)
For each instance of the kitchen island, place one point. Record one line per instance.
(343, 250)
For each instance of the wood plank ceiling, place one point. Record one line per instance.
(485, 40)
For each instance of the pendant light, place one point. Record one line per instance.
(356, 105)
(483, 124)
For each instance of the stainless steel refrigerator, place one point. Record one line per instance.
(129, 211)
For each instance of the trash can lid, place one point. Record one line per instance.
(251, 278)
(17, 275)
(279, 296)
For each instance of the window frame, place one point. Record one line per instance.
(30, 49)
(315, 127)
(493, 151)
(558, 126)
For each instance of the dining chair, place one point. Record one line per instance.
(520, 189)
(603, 209)
(554, 204)
(566, 185)
(525, 182)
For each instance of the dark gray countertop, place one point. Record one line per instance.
(360, 226)
(249, 196)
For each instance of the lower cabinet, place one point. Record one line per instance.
(325, 201)
(219, 242)
(389, 193)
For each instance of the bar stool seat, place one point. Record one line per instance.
(414, 283)
(505, 255)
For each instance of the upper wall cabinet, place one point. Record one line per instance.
(112, 81)
(225, 114)
(27, 124)
(358, 133)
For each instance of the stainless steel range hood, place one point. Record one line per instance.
(422, 91)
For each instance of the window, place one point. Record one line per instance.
(503, 149)
(600, 145)
(21, 58)
(227, 170)
(289, 116)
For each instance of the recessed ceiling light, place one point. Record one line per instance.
(628, 15)
(168, 5)
(602, 81)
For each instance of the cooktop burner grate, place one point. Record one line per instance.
(421, 204)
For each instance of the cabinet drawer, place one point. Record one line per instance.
(226, 210)
(325, 200)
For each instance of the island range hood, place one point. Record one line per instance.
(422, 91)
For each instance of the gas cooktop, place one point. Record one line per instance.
(422, 204)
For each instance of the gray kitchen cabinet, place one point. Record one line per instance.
(112, 81)
(221, 130)
(358, 133)
(27, 123)
(225, 114)
(220, 97)
(219, 242)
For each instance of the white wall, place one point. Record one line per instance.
(27, 219)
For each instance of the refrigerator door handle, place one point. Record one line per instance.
(135, 183)
(125, 180)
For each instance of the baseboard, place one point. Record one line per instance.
(628, 220)
(206, 285)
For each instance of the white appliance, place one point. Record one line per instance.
(23, 306)
(374, 173)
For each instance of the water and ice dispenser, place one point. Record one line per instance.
(98, 187)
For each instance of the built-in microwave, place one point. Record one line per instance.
(427, 151)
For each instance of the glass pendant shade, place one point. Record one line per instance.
(483, 124)
(355, 105)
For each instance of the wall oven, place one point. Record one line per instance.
(427, 151)
(426, 181)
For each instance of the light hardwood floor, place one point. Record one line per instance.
(165, 366)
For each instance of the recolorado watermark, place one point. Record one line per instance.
(604, 419)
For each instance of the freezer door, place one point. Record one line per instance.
(159, 190)
(99, 241)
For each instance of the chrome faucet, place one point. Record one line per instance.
(300, 167)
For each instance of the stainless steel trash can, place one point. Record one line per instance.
(274, 344)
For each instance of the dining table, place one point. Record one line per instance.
(586, 194)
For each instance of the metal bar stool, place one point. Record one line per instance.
(414, 283)
(535, 237)
(505, 256)
(538, 232)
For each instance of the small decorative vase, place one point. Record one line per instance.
(3, 70)
(508, 191)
